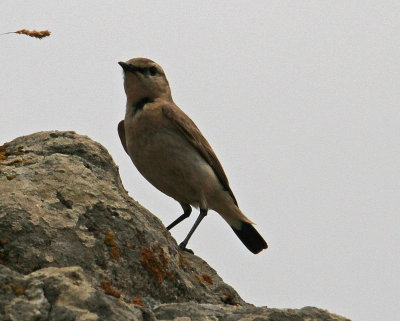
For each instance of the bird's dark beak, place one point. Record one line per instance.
(127, 67)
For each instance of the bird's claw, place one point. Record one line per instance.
(183, 248)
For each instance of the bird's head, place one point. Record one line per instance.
(143, 78)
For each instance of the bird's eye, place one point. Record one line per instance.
(153, 70)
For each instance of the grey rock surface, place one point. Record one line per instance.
(75, 246)
(206, 311)
(59, 294)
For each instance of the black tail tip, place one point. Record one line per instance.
(251, 238)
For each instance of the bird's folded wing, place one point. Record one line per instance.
(121, 133)
(190, 131)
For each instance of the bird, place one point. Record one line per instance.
(170, 151)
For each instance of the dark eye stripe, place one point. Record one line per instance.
(141, 70)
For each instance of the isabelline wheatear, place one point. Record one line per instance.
(172, 154)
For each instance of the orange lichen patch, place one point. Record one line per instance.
(109, 240)
(10, 177)
(114, 252)
(6, 287)
(18, 290)
(4, 152)
(137, 301)
(228, 299)
(207, 279)
(4, 241)
(152, 265)
(198, 278)
(155, 264)
(108, 289)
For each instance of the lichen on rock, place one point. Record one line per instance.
(75, 246)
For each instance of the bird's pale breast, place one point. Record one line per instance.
(168, 161)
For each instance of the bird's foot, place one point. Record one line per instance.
(182, 246)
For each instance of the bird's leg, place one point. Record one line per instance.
(186, 213)
(202, 214)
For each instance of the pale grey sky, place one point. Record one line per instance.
(299, 99)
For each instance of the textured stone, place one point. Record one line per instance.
(58, 294)
(75, 246)
(201, 311)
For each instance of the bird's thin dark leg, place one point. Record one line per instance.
(186, 213)
(202, 214)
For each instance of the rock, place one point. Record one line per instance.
(59, 294)
(206, 311)
(75, 246)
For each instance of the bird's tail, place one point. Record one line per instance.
(242, 226)
(250, 237)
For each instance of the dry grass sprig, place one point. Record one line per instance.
(31, 33)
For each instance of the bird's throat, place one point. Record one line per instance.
(139, 105)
